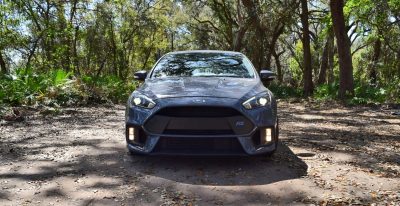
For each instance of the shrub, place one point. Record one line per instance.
(326, 91)
(363, 93)
(57, 87)
(282, 92)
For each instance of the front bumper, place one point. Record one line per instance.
(229, 134)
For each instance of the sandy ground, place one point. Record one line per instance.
(328, 155)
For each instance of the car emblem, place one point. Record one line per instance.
(239, 124)
(199, 101)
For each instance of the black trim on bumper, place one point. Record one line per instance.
(199, 146)
(198, 121)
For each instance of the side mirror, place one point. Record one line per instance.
(267, 75)
(140, 75)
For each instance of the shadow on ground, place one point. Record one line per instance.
(82, 158)
(220, 171)
(369, 137)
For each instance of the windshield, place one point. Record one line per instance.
(204, 65)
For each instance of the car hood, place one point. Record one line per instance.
(218, 87)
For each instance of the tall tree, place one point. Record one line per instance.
(3, 68)
(307, 64)
(375, 59)
(346, 82)
(326, 53)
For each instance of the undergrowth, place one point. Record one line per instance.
(364, 93)
(61, 88)
(57, 87)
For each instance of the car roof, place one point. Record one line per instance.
(204, 51)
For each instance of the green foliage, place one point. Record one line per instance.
(85, 51)
(294, 62)
(364, 93)
(107, 88)
(282, 92)
(327, 91)
(58, 87)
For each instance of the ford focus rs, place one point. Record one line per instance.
(202, 103)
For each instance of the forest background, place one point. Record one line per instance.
(74, 52)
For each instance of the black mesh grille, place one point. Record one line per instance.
(198, 132)
(198, 120)
(198, 112)
(199, 145)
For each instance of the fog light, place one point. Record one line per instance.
(268, 135)
(131, 133)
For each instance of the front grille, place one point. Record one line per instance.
(198, 132)
(198, 111)
(209, 121)
(180, 145)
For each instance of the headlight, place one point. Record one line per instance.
(141, 100)
(257, 101)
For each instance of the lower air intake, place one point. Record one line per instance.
(212, 146)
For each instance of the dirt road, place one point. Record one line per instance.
(327, 155)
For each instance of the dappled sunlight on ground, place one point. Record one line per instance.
(357, 149)
(79, 158)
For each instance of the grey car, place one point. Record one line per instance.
(202, 103)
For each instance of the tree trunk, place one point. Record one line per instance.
(278, 66)
(238, 42)
(74, 52)
(3, 67)
(32, 52)
(398, 63)
(375, 61)
(259, 39)
(307, 72)
(114, 70)
(243, 26)
(172, 41)
(331, 61)
(325, 58)
(346, 82)
(278, 30)
(65, 41)
(324, 64)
